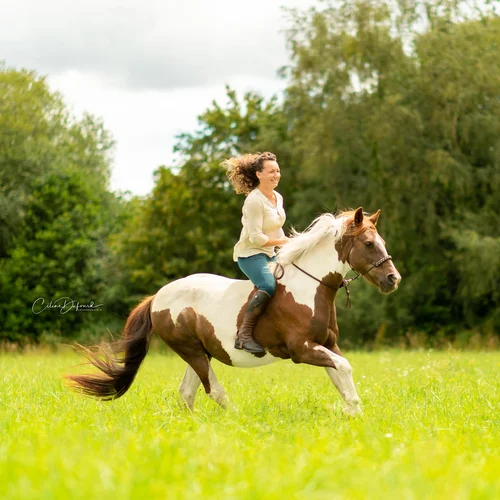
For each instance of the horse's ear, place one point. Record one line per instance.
(374, 217)
(358, 216)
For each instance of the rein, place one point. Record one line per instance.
(345, 282)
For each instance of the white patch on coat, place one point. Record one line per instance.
(189, 386)
(217, 393)
(341, 376)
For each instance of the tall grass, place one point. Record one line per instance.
(431, 429)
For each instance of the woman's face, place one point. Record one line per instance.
(270, 175)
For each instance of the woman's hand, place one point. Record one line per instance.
(277, 242)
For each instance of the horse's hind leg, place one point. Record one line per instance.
(184, 341)
(191, 382)
(189, 386)
(217, 393)
(199, 367)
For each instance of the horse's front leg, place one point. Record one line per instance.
(345, 385)
(338, 368)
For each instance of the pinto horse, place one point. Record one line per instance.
(198, 316)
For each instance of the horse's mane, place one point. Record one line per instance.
(301, 242)
(320, 228)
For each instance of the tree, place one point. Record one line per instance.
(385, 116)
(56, 210)
(57, 252)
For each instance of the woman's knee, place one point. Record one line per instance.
(269, 287)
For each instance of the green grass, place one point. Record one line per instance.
(431, 429)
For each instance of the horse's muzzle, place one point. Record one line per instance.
(390, 283)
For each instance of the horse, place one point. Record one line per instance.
(198, 316)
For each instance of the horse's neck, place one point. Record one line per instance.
(322, 263)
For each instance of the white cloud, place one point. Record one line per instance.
(148, 68)
(145, 124)
(150, 44)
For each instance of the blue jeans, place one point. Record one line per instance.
(256, 269)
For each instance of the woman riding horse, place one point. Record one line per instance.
(257, 175)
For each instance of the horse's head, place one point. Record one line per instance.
(364, 250)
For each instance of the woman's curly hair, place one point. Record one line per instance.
(241, 170)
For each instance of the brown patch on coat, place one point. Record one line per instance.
(193, 338)
(162, 322)
(206, 333)
(343, 247)
(191, 333)
(324, 322)
(285, 324)
(181, 338)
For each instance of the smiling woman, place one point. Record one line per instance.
(256, 175)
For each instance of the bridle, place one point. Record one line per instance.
(345, 281)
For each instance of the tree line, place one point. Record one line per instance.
(391, 105)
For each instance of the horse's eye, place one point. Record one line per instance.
(369, 244)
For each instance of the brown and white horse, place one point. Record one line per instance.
(198, 316)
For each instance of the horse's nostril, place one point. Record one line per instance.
(392, 278)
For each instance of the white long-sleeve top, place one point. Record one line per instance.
(261, 222)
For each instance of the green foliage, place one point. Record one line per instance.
(57, 252)
(31, 121)
(384, 116)
(56, 212)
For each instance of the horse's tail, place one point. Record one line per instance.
(118, 371)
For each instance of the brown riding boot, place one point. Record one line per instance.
(255, 308)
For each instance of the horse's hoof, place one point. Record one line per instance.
(353, 411)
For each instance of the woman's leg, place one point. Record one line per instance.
(256, 268)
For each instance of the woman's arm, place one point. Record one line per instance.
(279, 242)
(254, 215)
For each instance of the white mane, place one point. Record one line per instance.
(320, 228)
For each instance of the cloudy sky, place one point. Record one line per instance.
(148, 67)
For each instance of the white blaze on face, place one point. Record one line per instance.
(394, 270)
(380, 243)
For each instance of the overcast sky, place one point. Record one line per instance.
(148, 68)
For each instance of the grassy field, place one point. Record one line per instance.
(431, 429)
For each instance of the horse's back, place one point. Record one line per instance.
(205, 293)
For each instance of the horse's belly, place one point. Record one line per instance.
(242, 359)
